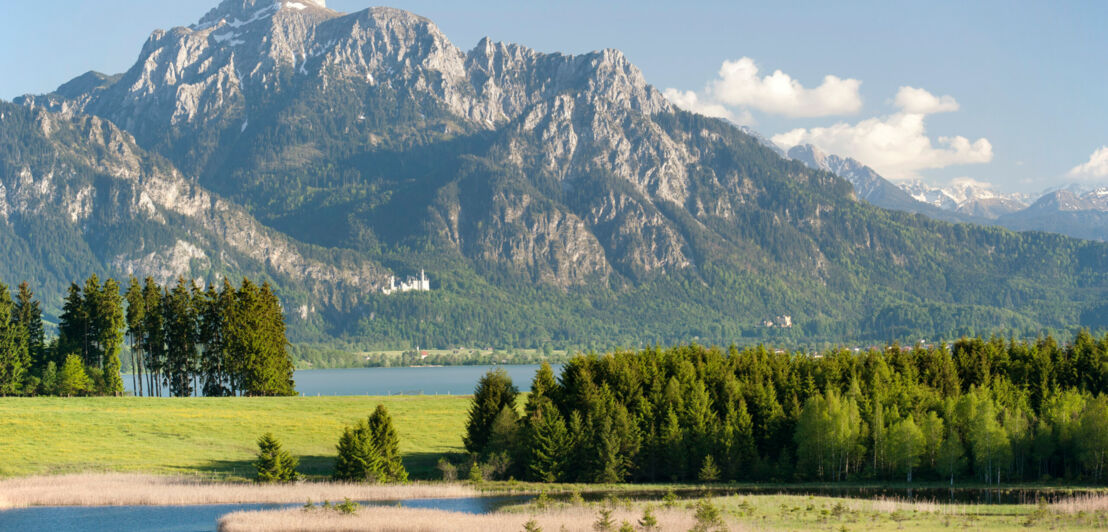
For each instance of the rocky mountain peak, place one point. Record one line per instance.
(242, 12)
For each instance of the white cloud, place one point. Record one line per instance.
(778, 93)
(897, 146)
(913, 100)
(690, 101)
(738, 89)
(1096, 167)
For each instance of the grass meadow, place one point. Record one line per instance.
(210, 437)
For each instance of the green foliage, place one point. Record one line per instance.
(648, 521)
(708, 517)
(708, 472)
(370, 451)
(692, 413)
(604, 520)
(493, 394)
(274, 464)
(72, 379)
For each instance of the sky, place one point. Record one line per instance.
(1010, 93)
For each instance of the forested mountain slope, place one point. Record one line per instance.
(551, 198)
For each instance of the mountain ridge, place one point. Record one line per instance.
(552, 198)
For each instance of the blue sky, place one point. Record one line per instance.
(1026, 78)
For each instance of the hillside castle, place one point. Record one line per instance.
(411, 284)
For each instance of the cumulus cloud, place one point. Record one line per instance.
(913, 100)
(1096, 167)
(740, 88)
(739, 84)
(897, 145)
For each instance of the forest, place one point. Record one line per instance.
(183, 340)
(984, 410)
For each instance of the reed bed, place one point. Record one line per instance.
(121, 489)
(393, 519)
(1082, 504)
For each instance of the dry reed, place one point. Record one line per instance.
(393, 519)
(1092, 503)
(121, 489)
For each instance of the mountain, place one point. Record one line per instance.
(871, 187)
(968, 197)
(550, 198)
(1075, 211)
(1082, 214)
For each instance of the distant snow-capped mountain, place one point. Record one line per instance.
(969, 197)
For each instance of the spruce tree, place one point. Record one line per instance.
(28, 311)
(547, 442)
(274, 464)
(358, 460)
(13, 347)
(110, 336)
(94, 311)
(180, 339)
(136, 316)
(386, 442)
(494, 392)
(211, 338)
(72, 326)
(153, 330)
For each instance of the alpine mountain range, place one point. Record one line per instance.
(550, 198)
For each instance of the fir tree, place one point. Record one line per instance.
(547, 442)
(180, 340)
(153, 329)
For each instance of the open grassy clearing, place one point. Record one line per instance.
(214, 437)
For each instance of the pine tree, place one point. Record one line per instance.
(255, 338)
(494, 392)
(274, 464)
(386, 442)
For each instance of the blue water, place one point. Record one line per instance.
(444, 380)
(192, 518)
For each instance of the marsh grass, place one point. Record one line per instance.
(120, 489)
(392, 519)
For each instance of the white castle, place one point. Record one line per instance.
(411, 284)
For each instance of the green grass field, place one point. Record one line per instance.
(210, 436)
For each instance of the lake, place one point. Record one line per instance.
(437, 380)
(201, 518)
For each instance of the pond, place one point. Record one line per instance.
(201, 518)
(433, 380)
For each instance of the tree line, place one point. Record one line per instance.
(991, 410)
(183, 340)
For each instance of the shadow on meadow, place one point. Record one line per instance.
(420, 466)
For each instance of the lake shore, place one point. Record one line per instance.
(121, 489)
